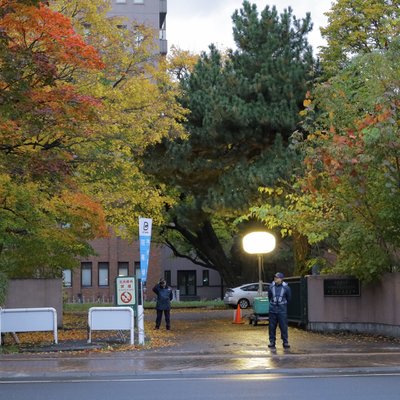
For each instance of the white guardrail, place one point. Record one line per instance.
(29, 320)
(111, 318)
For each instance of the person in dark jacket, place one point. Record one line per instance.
(279, 295)
(164, 297)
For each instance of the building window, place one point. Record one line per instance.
(86, 274)
(120, 1)
(67, 278)
(103, 273)
(123, 269)
(206, 277)
(167, 277)
(137, 268)
(138, 1)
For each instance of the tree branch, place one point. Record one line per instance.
(181, 255)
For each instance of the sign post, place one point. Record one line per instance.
(144, 240)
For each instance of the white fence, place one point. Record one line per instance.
(29, 320)
(110, 318)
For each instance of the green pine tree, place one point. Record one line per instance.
(243, 107)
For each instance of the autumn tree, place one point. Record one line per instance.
(45, 218)
(359, 73)
(355, 163)
(348, 197)
(181, 63)
(139, 108)
(243, 107)
(73, 127)
(358, 27)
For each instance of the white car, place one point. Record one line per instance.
(244, 295)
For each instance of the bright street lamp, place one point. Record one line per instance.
(259, 243)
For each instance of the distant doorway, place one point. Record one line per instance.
(187, 283)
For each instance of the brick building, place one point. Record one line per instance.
(94, 281)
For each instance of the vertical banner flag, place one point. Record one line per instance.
(144, 239)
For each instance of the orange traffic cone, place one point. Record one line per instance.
(238, 316)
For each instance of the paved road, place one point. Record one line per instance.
(208, 341)
(234, 387)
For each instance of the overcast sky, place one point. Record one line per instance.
(194, 24)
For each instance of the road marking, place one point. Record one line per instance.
(205, 378)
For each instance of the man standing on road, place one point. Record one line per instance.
(164, 297)
(279, 295)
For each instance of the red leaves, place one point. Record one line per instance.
(343, 153)
(42, 53)
(63, 101)
(49, 34)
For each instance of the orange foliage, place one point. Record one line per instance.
(85, 209)
(42, 52)
(43, 31)
(342, 151)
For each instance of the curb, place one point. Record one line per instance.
(284, 373)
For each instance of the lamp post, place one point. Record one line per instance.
(259, 243)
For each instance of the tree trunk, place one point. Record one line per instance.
(301, 249)
(209, 252)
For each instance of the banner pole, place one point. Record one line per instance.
(140, 316)
(145, 225)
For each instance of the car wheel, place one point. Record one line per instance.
(244, 303)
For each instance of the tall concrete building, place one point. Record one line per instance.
(152, 13)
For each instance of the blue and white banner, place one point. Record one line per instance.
(144, 239)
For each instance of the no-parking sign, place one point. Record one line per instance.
(125, 291)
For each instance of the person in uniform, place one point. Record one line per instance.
(279, 295)
(164, 297)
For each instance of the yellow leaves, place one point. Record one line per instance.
(311, 136)
(271, 191)
(307, 103)
(303, 113)
(181, 62)
(286, 232)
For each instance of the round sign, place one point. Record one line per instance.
(126, 297)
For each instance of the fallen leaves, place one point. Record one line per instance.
(74, 334)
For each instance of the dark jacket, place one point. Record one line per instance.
(164, 297)
(279, 296)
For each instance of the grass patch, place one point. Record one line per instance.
(84, 307)
(207, 304)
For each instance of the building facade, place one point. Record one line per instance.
(94, 280)
(152, 13)
(193, 281)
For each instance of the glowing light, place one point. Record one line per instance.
(259, 242)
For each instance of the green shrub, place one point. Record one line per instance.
(3, 287)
